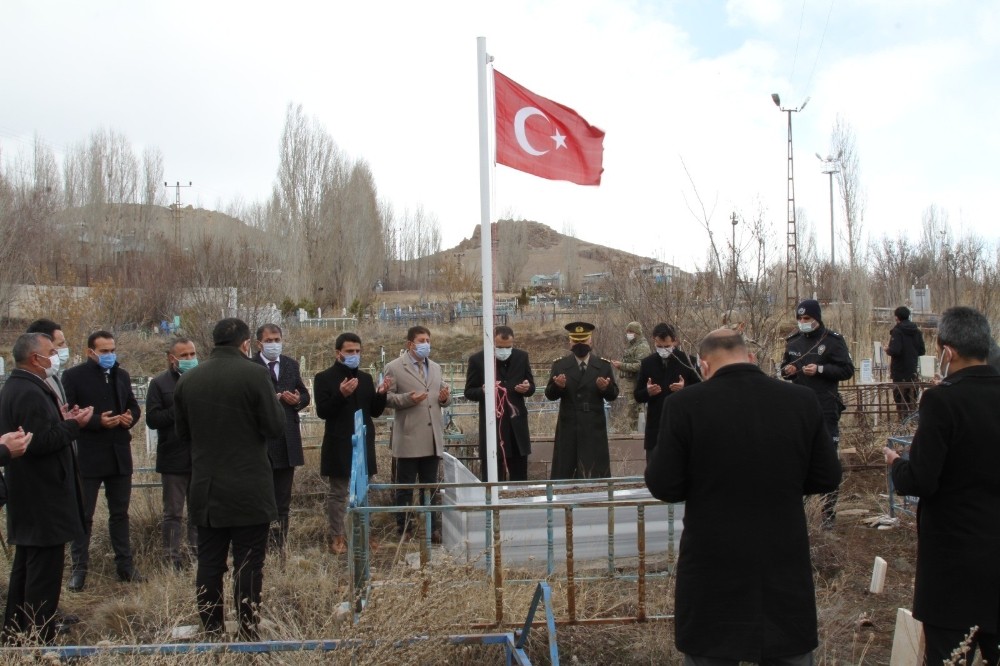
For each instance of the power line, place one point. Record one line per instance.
(798, 37)
(820, 48)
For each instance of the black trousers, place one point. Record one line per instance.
(118, 492)
(831, 418)
(939, 643)
(283, 480)
(516, 464)
(33, 595)
(249, 546)
(415, 470)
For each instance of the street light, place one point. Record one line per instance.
(831, 165)
(792, 253)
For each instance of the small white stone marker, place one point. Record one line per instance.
(878, 576)
(907, 646)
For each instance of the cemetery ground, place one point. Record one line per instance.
(303, 595)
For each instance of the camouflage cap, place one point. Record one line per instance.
(634, 327)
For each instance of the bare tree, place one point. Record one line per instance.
(512, 246)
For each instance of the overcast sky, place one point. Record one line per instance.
(395, 84)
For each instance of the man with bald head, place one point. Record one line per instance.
(742, 449)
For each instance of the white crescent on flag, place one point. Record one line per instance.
(522, 139)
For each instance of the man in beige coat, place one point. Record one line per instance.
(417, 393)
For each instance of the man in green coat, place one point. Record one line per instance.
(226, 407)
(627, 369)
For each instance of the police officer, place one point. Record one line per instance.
(817, 358)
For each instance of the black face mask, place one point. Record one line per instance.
(580, 349)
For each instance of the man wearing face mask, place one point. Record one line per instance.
(743, 471)
(661, 374)
(417, 393)
(54, 331)
(173, 455)
(818, 358)
(514, 383)
(581, 382)
(285, 452)
(226, 408)
(105, 451)
(954, 468)
(44, 510)
(627, 371)
(341, 390)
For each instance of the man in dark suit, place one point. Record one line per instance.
(226, 408)
(45, 508)
(54, 331)
(105, 451)
(514, 383)
(173, 455)
(581, 382)
(284, 451)
(906, 346)
(661, 374)
(954, 468)
(742, 449)
(341, 390)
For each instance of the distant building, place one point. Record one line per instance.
(659, 272)
(553, 281)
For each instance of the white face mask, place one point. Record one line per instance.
(806, 326)
(63, 355)
(53, 366)
(942, 366)
(630, 336)
(664, 352)
(271, 350)
(503, 353)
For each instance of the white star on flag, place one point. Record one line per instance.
(559, 139)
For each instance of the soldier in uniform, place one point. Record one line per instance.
(636, 349)
(581, 381)
(818, 358)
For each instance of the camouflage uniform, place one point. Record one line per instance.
(635, 351)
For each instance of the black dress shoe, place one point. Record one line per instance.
(131, 576)
(77, 581)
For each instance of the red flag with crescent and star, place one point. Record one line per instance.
(543, 138)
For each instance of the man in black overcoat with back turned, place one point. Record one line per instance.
(513, 372)
(742, 449)
(45, 506)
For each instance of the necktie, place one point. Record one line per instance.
(583, 368)
(270, 366)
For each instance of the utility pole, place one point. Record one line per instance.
(831, 166)
(792, 250)
(177, 210)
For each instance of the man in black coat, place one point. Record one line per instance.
(173, 455)
(45, 507)
(341, 390)
(285, 452)
(581, 382)
(661, 374)
(818, 358)
(954, 468)
(906, 346)
(227, 409)
(105, 451)
(742, 449)
(514, 383)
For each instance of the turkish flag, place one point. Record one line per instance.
(543, 138)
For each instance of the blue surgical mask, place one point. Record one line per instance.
(63, 355)
(107, 361)
(806, 326)
(503, 353)
(271, 350)
(352, 361)
(185, 364)
(423, 349)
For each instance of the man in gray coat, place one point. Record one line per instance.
(226, 407)
(742, 449)
(417, 393)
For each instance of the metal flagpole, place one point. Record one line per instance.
(486, 236)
